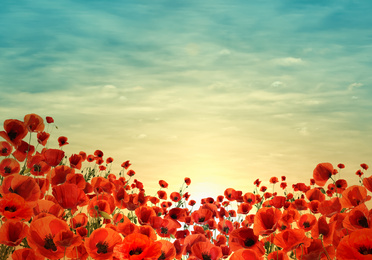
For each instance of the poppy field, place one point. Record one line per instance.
(55, 205)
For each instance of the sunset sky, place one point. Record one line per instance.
(223, 92)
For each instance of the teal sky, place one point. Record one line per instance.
(224, 92)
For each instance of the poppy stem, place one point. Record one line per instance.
(325, 251)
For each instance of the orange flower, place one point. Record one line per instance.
(62, 140)
(168, 251)
(100, 245)
(206, 250)
(357, 245)
(69, 196)
(14, 208)
(53, 156)
(42, 138)
(201, 216)
(187, 181)
(144, 213)
(26, 254)
(245, 254)
(307, 221)
(322, 172)
(245, 238)
(353, 196)
(324, 229)
(9, 166)
(23, 150)
(126, 164)
(266, 220)
(330, 207)
(278, 255)
(80, 220)
(367, 182)
(359, 217)
(67, 239)
(37, 166)
(34, 123)
(75, 161)
(58, 174)
(24, 186)
(315, 251)
(290, 239)
(137, 247)
(5, 148)
(41, 234)
(15, 131)
(102, 202)
(12, 233)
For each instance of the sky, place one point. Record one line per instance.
(223, 92)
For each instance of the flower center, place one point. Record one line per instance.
(249, 242)
(164, 230)
(162, 256)
(306, 224)
(136, 251)
(365, 251)
(7, 169)
(49, 243)
(102, 247)
(363, 222)
(4, 150)
(37, 167)
(206, 256)
(12, 135)
(11, 209)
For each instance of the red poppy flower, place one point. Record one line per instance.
(67, 239)
(69, 196)
(367, 182)
(245, 238)
(75, 161)
(359, 217)
(62, 140)
(41, 234)
(77, 179)
(307, 221)
(245, 254)
(257, 183)
(290, 239)
(24, 186)
(37, 166)
(126, 164)
(167, 228)
(168, 251)
(59, 174)
(364, 166)
(137, 247)
(266, 220)
(98, 154)
(330, 207)
(187, 181)
(23, 150)
(244, 208)
(315, 250)
(78, 253)
(34, 123)
(178, 214)
(26, 254)
(353, 196)
(163, 184)
(225, 227)
(206, 250)
(90, 158)
(101, 203)
(325, 229)
(200, 216)
(53, 156)
(144, 213)
(12, 233)
(100, 245)
(49, 119)
(322, 172)
(357, 245)
(48, 206)
(5, 148)
(175, 196)
(80, 220)
(42, 138)
(15, 131)
(278, 255)
(274, 180)
(359, 173)
(9, 166)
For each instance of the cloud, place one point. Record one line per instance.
(277, 84)
(354, 85)
(288, 61)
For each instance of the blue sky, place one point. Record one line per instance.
(228, 90)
